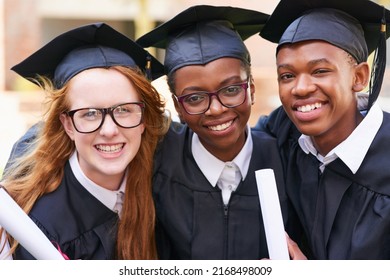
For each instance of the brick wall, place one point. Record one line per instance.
(21, 35)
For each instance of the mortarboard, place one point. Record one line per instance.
(89, 46)
(356, 26)
(201, 34)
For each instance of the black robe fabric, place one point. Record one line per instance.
(193, 222)
(76, 221)
(345, 215)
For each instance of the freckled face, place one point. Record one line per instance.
(317, 82)
(220, 129)
(104, 154)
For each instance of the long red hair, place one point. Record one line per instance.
(27, 179)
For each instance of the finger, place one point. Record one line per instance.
(294, 250)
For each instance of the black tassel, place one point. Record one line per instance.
(148, 67)
(379, 65)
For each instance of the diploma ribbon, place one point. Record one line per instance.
(59, 250)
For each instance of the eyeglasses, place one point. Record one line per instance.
(199, 102)
(88, 120)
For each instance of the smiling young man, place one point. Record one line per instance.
(313, 91)
(337, 174)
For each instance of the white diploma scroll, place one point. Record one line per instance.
(272, 215)
(19, 225)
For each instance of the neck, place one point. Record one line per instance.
(325, 143)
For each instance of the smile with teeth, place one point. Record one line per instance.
(221, 127)
(308, 108)
(109, 148)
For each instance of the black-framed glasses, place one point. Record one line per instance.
(126, 115)
(199, 102)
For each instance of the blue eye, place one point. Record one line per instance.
(122, 109)
(90, 114)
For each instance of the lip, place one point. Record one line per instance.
(309, 107)
(308, 111)
(307, 101)
(110, 150)
(220, 126)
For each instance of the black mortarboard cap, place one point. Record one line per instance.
(356, 26)
(201, 34)
(89, 46)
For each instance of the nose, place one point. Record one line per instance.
(215, 107)
(109, 127)
(303, 86)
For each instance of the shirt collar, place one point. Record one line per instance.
(212, 167)
(353, 149)
(105, 196)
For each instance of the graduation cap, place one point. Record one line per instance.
(201, 34)
(89, 46)
(356, 26)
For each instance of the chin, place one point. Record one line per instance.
(113, 169)
(304, 129)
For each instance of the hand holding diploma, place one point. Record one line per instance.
(17, 223)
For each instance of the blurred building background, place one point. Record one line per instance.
(26, 25)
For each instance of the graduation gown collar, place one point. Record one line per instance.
(352, 150)
(212, 167)
(105, 196)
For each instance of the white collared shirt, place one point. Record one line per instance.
(105, 196)
(353, 149)
(213, 168)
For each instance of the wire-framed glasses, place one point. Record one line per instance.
(126, 115)
(199, 102)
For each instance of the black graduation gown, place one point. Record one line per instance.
(75, 220)
(192, 220)
(345, 215)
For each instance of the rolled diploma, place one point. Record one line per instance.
(272, 215)
(18, 224)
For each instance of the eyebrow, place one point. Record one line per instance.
(311, 63)
(223, 83)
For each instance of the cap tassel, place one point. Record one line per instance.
(148, 67)
(379, 64)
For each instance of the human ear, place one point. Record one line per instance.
(361, 77)
(252, 89)
(178, 108)
(68, 126)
